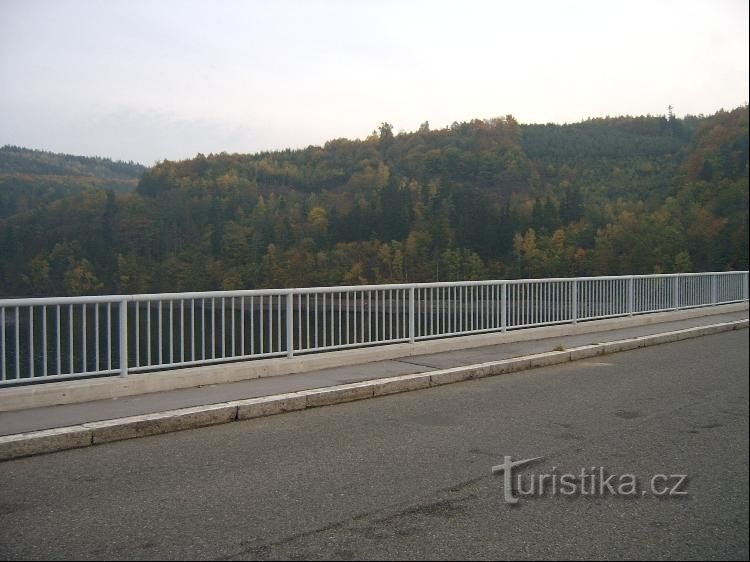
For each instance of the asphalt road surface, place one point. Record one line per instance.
(409, 476)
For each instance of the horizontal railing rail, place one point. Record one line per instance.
(57, 338)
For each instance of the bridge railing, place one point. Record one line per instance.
(48, 339)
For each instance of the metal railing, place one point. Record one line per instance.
(48, 339)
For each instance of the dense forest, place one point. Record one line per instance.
(480, 199)
(30, 179)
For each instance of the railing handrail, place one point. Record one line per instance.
(143, 297)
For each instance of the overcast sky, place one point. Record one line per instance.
(147, 80)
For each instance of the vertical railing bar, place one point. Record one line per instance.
(84, 357)
(18, 344)
(171, 331)
(307, 320)
(233, 320)
(382, 316)
(411, 315)
(340, 341)
(446, 310)
(192, 329)
(453, 319)
(182, 330)
(260, 325)
(472, 298)
(96, 336)
(458, 301)
(138, 334)
(377, 314)
(203, 328)
(432, 310)
(574, 301)
(242, 325)
(503, 304)
(422, 320)
(440, 291)
(557, 315)
(369, 316)
(390, 314)
(398, 314)
(464, 309)
(540, 303)
(438, 311)
(44, 340)
(148, 332)
(480, 309)
(496, 305)
(354, 317)
(362, 316)
(562, 294)
(59, 341)
(109, 336)
(160, 333)
(213, 328)
(541, 309)
(289, 324)
(223, 328)
(490, 308)
(559, 295)
(252, 325)
(529, 299)
(418, 330)
(278, 322)
(299, 321)
(123, 336)
(476, 307)
(2, 342)
(315, 323)
(631, 295)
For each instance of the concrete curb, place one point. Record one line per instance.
(94, 433)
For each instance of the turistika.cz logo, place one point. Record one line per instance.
(589, 481)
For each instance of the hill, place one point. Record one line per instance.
(485, 198)
(32, 178)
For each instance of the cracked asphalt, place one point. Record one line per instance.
(409, 476)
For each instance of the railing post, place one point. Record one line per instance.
(574, 301)
(504, 306)
(744, 286)
(714, 289)
(290, 325)
(123, 337)
(676, 292)
(631, 296)
(411, 315)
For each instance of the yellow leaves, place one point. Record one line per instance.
(318, 219)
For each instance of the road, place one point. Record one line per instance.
(409, 476)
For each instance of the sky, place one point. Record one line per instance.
(148, 80)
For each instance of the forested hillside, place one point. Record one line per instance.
(482, 199)
(29, 179)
